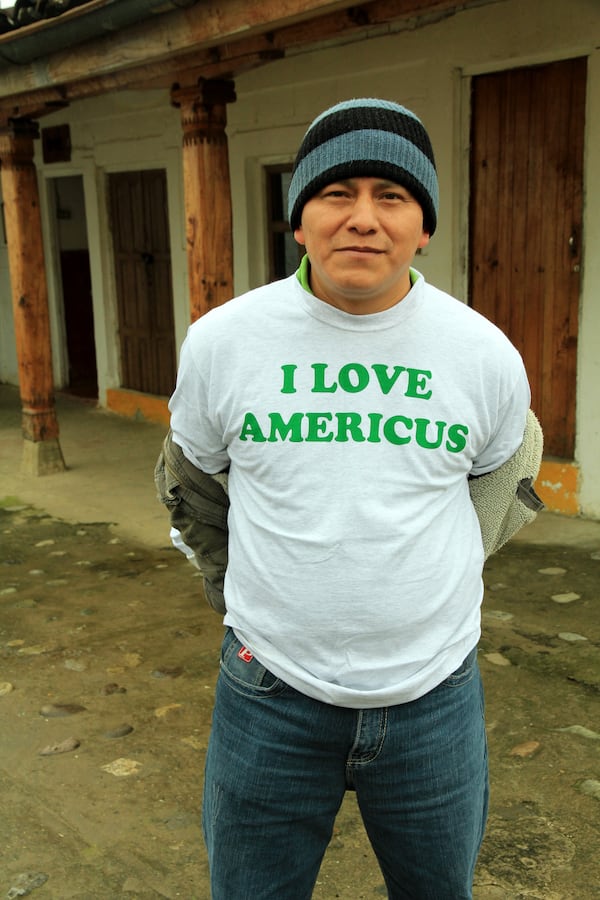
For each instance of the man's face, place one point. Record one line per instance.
(361, 235)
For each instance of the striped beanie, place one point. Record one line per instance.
(365, 137)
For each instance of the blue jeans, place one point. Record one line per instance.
(278, 764)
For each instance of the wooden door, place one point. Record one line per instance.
(138, 203)
(527, 131)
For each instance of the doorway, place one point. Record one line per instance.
(525, 224)
(142, 254)
(69, 211)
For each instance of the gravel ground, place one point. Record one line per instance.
(108, 663)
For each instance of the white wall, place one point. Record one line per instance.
(9, 373)
(428, 70)
(588, 380)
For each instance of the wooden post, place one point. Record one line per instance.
(207, 191)
(23, 224)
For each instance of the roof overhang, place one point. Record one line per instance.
(107, 45)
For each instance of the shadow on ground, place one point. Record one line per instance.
(108, 662)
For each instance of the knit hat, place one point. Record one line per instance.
(365, 137)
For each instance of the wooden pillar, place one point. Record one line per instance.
(207, 191)
(41, 449)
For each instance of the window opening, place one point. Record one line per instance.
(284, 252)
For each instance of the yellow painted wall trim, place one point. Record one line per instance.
(135, 405)
(558, 486)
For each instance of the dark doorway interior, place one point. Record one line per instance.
(71, 230)
(79, 322)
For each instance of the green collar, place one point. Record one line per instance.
(303, 273)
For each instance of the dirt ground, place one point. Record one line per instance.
(108, 646)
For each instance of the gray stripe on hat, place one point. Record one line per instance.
(363, 146)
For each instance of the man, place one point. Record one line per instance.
(350, 405)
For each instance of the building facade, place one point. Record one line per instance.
(511, 99)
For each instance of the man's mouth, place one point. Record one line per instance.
(360, 249)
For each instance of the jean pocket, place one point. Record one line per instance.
(464, 673)
(244, 673)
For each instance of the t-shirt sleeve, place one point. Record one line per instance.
(194, 424)
(507, 435)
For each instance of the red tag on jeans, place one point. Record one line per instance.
(245, 654)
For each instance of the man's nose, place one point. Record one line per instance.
(363, 214)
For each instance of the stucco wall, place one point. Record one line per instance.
(588, 377)
(8, 356)
(427, 69)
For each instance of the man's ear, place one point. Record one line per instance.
(299, 235)
(423, 241)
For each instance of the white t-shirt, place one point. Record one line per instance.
(355, 554)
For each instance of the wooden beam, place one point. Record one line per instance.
(226, 60)
(208, 32)
(210, 63)
(205, 24)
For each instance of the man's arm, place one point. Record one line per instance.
(198, 505)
